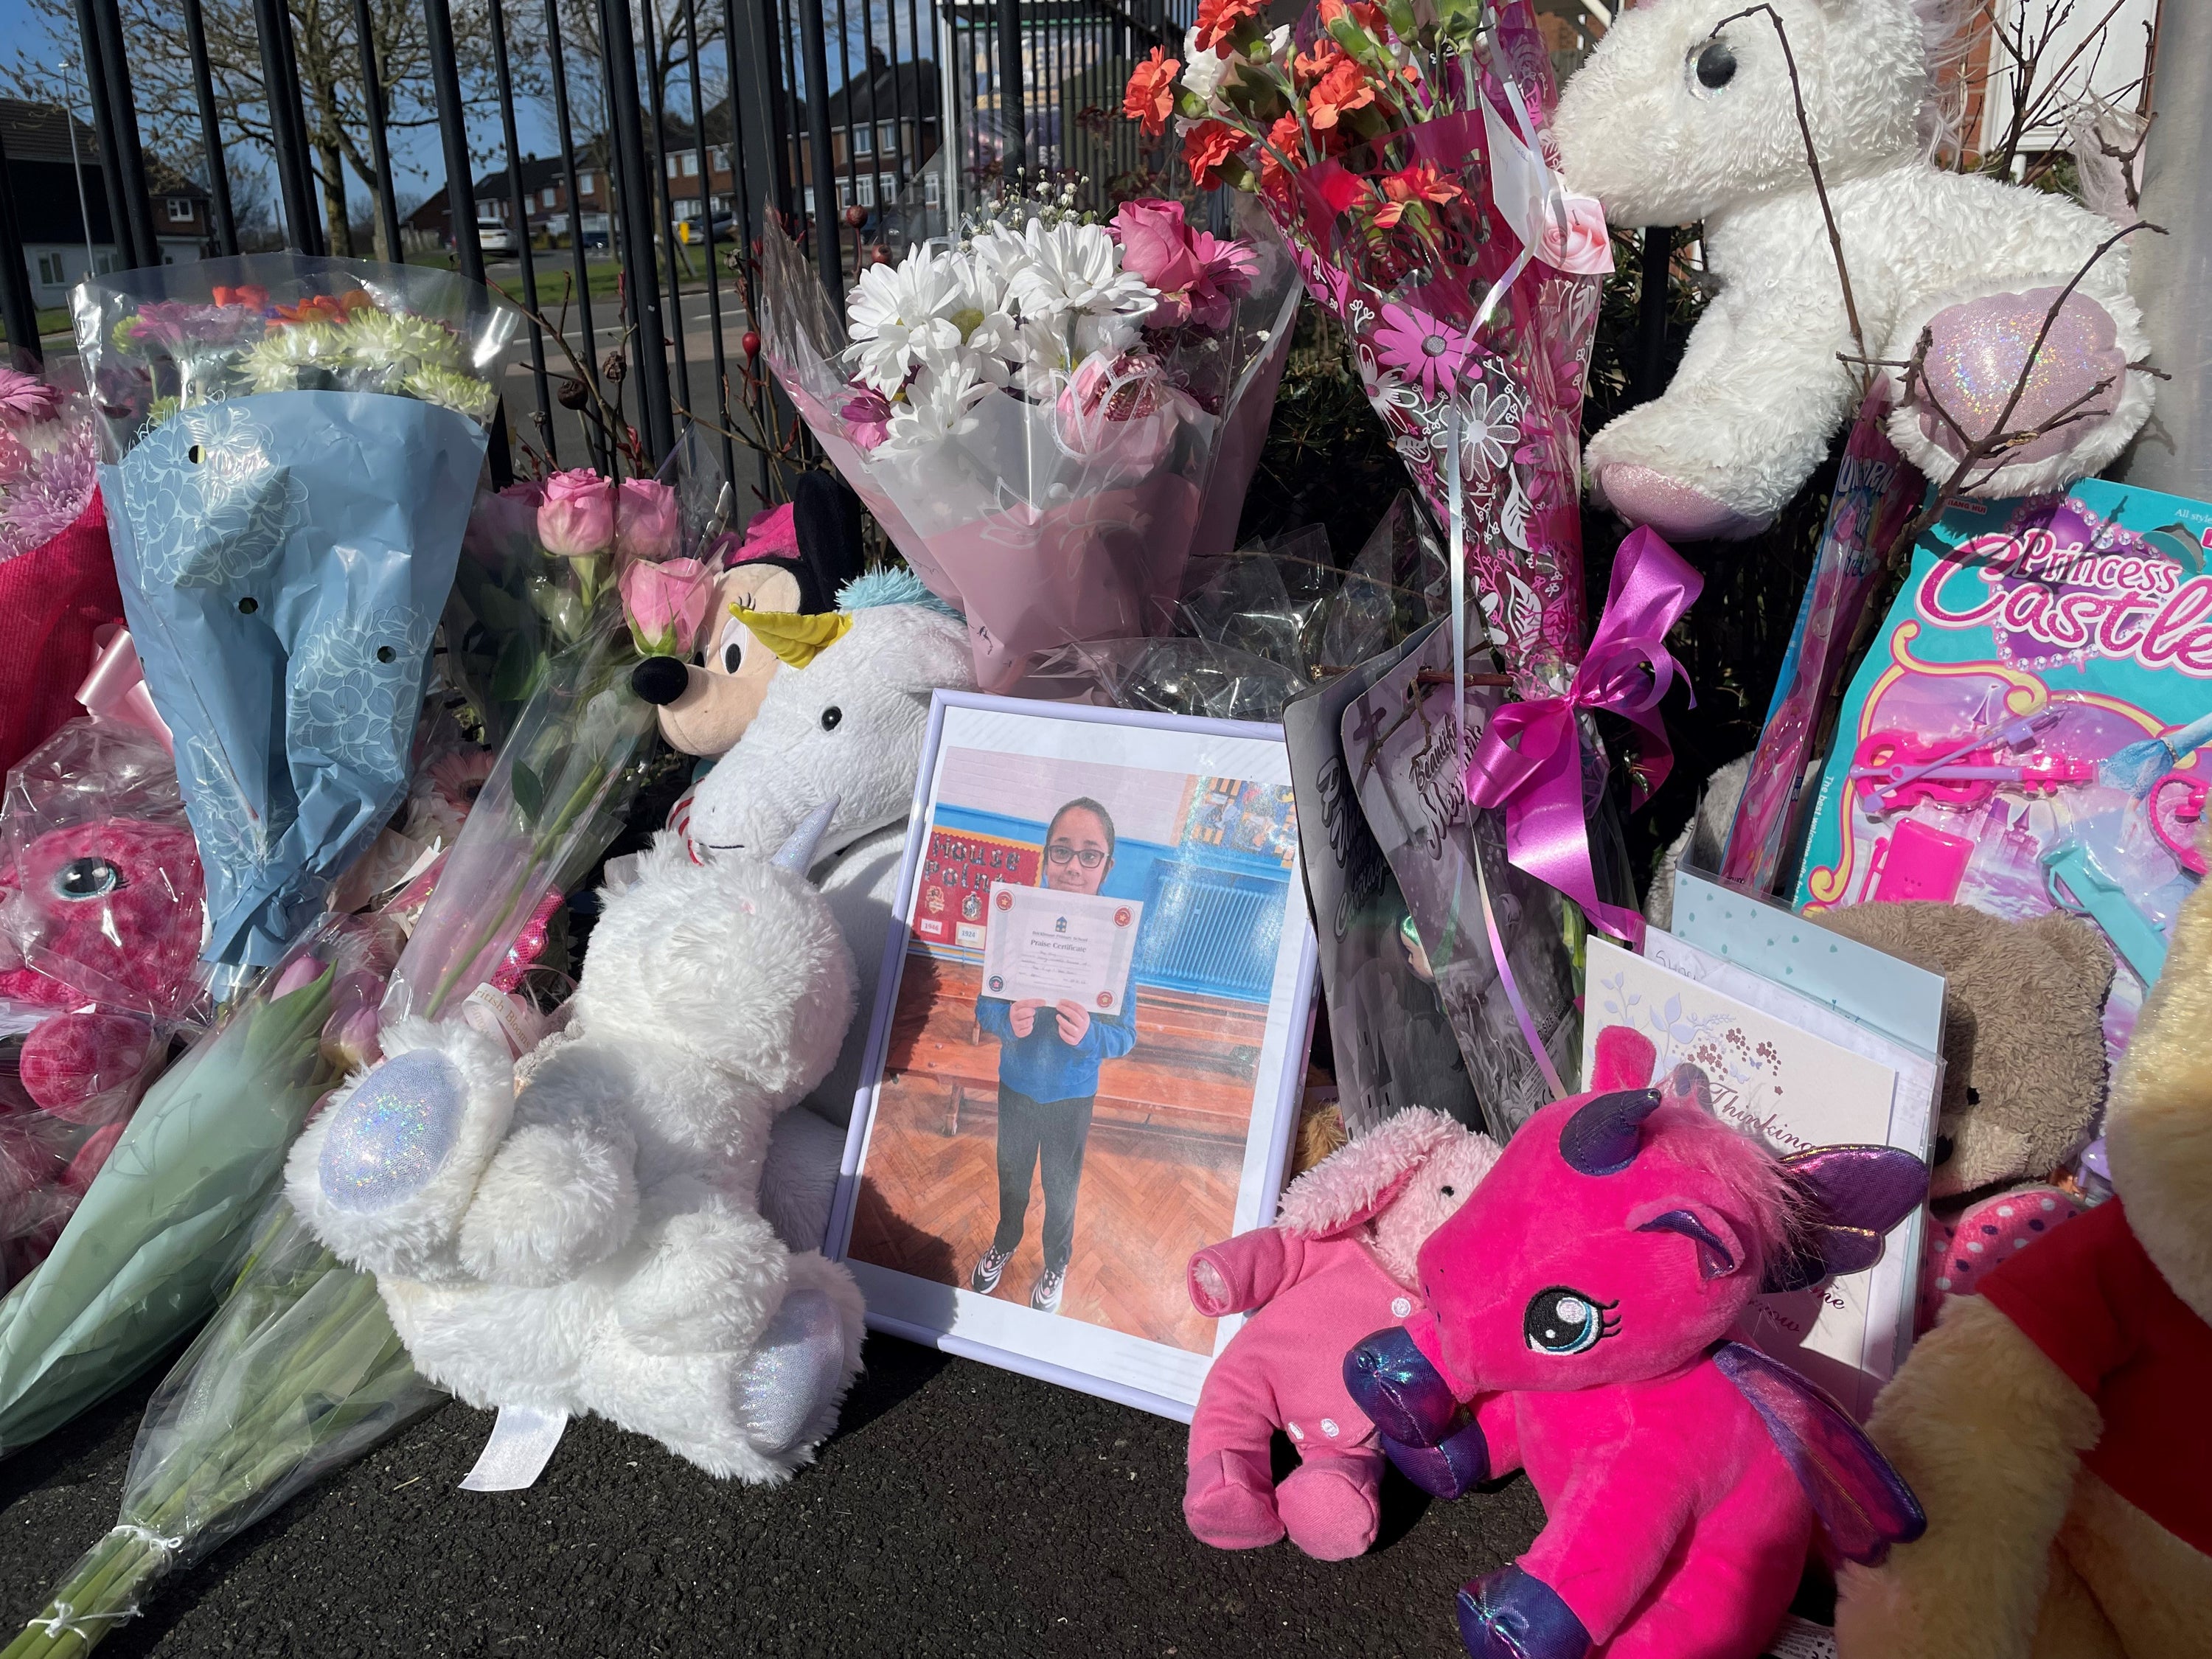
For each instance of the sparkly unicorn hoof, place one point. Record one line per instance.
(1678, 510)
(788, 1391)
(1509, 1615)
(1404, 1395)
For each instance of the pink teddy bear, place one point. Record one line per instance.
(1339, 1261)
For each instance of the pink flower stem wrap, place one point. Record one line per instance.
(1529, 760)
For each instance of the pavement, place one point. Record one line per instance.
(959, 1510)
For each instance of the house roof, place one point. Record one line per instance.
(37, 140)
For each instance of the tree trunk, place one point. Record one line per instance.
(330, 169)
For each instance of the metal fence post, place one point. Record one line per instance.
(136, 233)
(103, 130)
(634, 201)
(18, 315)
(757, 98)
(273, 20)
(453, 135)
(1012, 116)
(822, 222)
(1647, 370)
(226, 221)
(379, 148)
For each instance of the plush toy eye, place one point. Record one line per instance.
(1563, 1321)
(1716, 66)
(1449, 1191)
(732, 655)
(831, 716)
(87, 878)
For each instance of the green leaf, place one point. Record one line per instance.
(529, 793)
(517, 667)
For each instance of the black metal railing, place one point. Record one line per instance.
(858, 124)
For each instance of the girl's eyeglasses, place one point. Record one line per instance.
(1089, 858)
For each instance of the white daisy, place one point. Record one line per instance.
(939, 404)
(1076, 268)
(898, 312)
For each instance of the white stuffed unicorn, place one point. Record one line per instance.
(842, 720)
(1678, 117)
(595, 1242)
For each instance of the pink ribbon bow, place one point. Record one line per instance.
(1529, 760)
(116, 689)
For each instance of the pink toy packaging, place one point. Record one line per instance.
(101, 916)
(1339, 1261)
(1578, 1308)
(2026, 734)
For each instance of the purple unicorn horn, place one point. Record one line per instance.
(1601, 1137)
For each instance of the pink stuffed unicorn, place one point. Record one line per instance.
(1338, 1259)
(1578, 1303)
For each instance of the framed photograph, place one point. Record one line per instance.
(1088, 1044)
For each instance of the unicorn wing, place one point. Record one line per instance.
(1862, 1504)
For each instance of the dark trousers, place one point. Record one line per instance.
(1053, 1134)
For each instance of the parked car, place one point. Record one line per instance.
(494, 237)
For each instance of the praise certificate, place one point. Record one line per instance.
(1059, 947)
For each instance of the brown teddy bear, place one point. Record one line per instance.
(2053, 1426)
(2023, 1043)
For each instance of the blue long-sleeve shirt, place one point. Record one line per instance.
(1040, 1065)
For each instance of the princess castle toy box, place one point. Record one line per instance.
(2026, 732)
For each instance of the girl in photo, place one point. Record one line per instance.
(1048, 1060)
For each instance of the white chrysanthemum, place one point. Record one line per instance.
(462, 393)
(1076, 268)
(378, 339)
(899, 313)
(273, 362)
(939, 404)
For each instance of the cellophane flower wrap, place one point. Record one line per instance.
(101, 920)
(292, 448)
(163, 1225)
(1041, 416)
(56, 574)
(1404, 156)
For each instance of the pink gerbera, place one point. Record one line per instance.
(25, 399)
(1424, 350)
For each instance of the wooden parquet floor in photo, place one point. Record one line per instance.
(929, 1202)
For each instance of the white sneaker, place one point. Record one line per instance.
(1045, 1296)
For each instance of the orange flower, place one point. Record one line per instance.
(1288, 138)
(1206, 147)
(1368, 17)
(1150, 96)
(327, 307)
(1308, 67)
(1217, 20)
(1338, 93)
(1419, 183)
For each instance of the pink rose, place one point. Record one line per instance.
(645, 520)
(665, 604)
(576, 519)
(502, 522)
(1156, 244)
(1120, 410)
(1584, 248)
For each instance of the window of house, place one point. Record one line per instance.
(887, 188)
(719, 158)
(809, 201)
(545, 196)
(51, 273)
(690, 164)
(866, 186)
(586, 183)
(180, 209)
(932, 190)
(887, 137)
(844, 192)
(863, 141)
(672, 166)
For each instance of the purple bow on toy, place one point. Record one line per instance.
(1529, 760)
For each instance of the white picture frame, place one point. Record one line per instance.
(985, 761)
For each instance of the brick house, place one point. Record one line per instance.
(47, 202)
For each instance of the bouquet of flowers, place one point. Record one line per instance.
(56, 575)
(293, 445)
(1401, 151)
(1038, 413)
